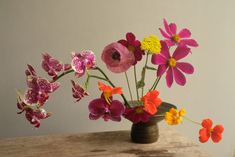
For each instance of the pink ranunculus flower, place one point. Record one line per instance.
(117, 57)
(137, 114)
(78, 91)
(133, 46)
(38, 88)
(174, 38)
(100, 108)
(171, 65)
(82, 61)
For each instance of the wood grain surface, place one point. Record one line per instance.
(103, 144)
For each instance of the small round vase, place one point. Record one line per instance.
(149, 132)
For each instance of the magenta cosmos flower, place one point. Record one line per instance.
(100, 108)
(133, 46)
(137, 114)
(171, 65)
(117, 57)
(78, 91)
(52, 66)
(172, 37)
(82, 61)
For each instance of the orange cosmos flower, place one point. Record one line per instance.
(151, 101)
(207, 131)
(109, 91)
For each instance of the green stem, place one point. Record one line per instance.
(61, 75)
(151, 68)
(192, 120)
(98, 77)
(137, 91)
(128, 84)
(158, 79)
(109, 81)
(153, 84)
(144, 70)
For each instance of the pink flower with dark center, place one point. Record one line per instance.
(133, 46)
(172, 37)
(78, 91)
(171, 65)
(100, 108)
(117, 57)
(137, 114)
(82, 61)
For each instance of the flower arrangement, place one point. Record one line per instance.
(119, 57)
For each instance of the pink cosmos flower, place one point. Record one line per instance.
(133, 46)
(171, 65)
(52, 66)
(38, 88)
(82, 61)
(137, 114)
(172, 37)
(78, 91)
(117, 57)
(100, 108)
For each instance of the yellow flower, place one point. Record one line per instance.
(174, 117)
(151, 44)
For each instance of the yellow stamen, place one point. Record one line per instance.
(107, 97)
(131, 48)
(139, 110)
(172, 62)
(176, 38)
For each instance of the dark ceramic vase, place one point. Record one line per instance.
(149, 132)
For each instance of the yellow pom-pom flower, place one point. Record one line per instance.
(151, 44)
(174, 117)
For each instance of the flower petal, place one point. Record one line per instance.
(97, 107)
(158, 59)
(169, 42)
(218, 129)
(161, 69)
(130, 37)
(173, 28)
(179, 77)
(164, 34)
(185, 67)
(180, 52)
(189, 42)
(167, 28)
(216, 137)
(204, 135)
(123, 42)
(184, 33)
(165, 50)
(169, 77)
(207, 123)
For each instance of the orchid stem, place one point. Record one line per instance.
(110, 82)
(153, 84)
(128, 83)
(144, 70)
(192, 120)
(61, 75)
(137, 91)
(158, 79)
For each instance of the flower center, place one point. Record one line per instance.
(176, 38)
(131, 48)
(172, 62)
(139, 110)
(116, 56)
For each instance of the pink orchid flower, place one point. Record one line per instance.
(137, 114)
(171, 65)
(78, 91)
(174, 38)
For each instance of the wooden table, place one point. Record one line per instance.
(104, 144)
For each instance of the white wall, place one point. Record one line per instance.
(30, 27)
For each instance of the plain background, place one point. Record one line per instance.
(30, 27)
